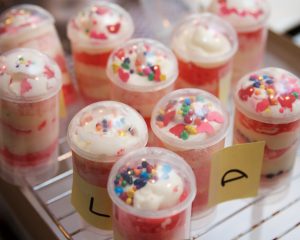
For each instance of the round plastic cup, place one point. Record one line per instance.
(29, 115)
(205, 45)
(192, 123)
(268, 108)
(152, 190)
(100, 134)
(249, 19)
(142, 71)
(30, 26)
(94, 32)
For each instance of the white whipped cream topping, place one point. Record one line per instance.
(100, 23)
(162, 194)
(28, 74)
(200, 41)
(125, 130)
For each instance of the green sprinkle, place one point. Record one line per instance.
(125, 66)
(151, 76)
(124, 183)
(296, 95)
(184, 135)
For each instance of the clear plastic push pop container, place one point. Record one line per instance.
(192, 123)
(152, 190)
(142, 71)
(249, 18)
(29, 115)
(94, 32)
(204, 45)
(268, 108)
(30, 26)
(100, 134)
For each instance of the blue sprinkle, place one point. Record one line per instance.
(144, 164)
(118, 190)
(265, 76)
(144, 175)
(269, 81)
(187, 101)
(252, 78)
(256, 84)
(166, 168)
(116, 182)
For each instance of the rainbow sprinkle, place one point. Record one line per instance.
(191, 116)
(263, 88)
(140, 59)
(131, 179)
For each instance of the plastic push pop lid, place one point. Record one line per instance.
(189, 119)
(24, 17)
(106, 129)
(269, 95)
(101, 25)
(244, 15)
(152, 182)
(142, 65)
(204, 38)
(26, 75)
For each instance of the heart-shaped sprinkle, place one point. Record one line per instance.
(177, 129)
(205, 127)
(262, 106)
(48, 72)
(215, 116)
(124, 76)
(96, 35)
(114, 28)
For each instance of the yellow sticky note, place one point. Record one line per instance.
(62, 105)
(235, 172)
(92, 203)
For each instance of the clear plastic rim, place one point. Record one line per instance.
(159, 153)
(166, 138)
(38, 98)
(71, 34)
(96, 157)
(159, 86)
(228, 31)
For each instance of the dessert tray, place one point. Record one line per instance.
(45, 210)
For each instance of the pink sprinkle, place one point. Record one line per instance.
(262, 106)
(48, 72)
(147, 71)
(205, 127)
(281, 110)
(215, 116)
(96, 35)
(25, 86)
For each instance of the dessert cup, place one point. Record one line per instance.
(94, 32)
(29, 115)
(152, 190)
(99, 135)
(192, 123)
(141, 72)
(249, 19)
(30, 26)
(205, 45)
(267, 108)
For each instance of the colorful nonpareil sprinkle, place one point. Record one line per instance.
(267, 92)
(98, 21)
(129, 180)
(141, 59)
(189, 115)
